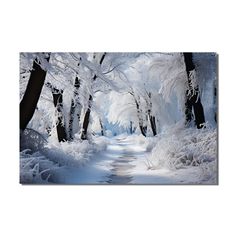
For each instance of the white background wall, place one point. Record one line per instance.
(122, 25)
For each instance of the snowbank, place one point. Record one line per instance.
(38, 164)
(146, 143)
(180, 148)
(33, 167)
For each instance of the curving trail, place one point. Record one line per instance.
(112, 166)
(123, 162)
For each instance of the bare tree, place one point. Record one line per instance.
(193, 99)
(142, 125)
(87, 114)
(151, 117)
(58, 103)
(74, 103)
(32, 93)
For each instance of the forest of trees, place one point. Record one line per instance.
(67, 88)
(77, 105)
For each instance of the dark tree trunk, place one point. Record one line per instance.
(58, 103)
(143, 128)
(131, 128)
(193, 100)
(199, 114)
(72, 109)
(86, 120)
(32, 94)
(152, 119)
(71, 121)
(87, 114)
(145, 125)
(215, 100)
(153, 124)
(102, 128)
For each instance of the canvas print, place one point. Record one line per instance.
(123, 118)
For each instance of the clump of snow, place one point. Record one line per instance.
(38, 164)
(146, 143)
(101, 143)
(74, 153)
(34, 167)
(108, 133)
(31, 139)
(179, 148)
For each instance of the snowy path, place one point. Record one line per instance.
(112, 166)
(129, 166)
(123, 162)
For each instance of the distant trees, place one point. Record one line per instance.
(145, 113)
(151, 117)
(141, 116)
(102, 127)
(131, 128)
(138, 86)
(193, 100)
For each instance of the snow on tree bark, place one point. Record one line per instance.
(152, 118)
(32, 93)
(60, 124)
(74, 104)
(143, 128)
(193, 100)
(87, 114)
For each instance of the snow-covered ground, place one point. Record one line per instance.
(144, 171)
(187, 156)
(178, 156)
